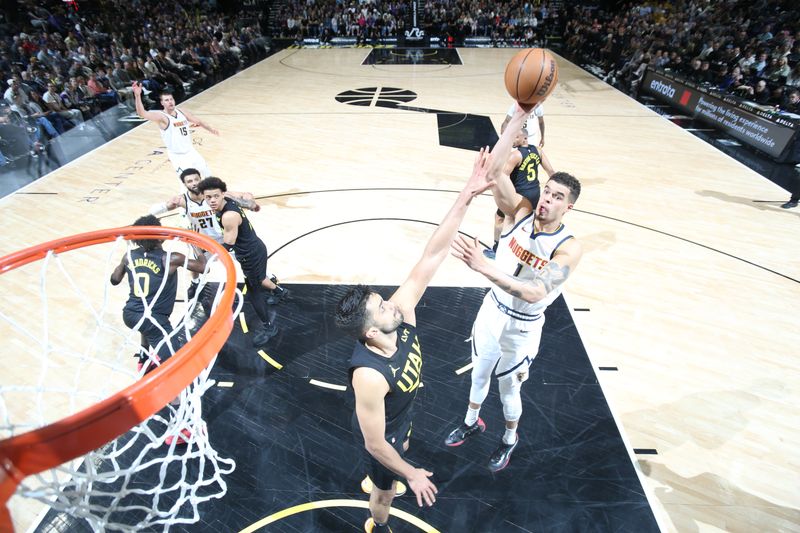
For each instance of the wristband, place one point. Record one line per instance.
(157, 209)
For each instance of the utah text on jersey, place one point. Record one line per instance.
(409, 379)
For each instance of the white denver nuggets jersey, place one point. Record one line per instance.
(176, 136)
(202, 218)
(522, 255)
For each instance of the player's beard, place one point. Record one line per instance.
(398, 319)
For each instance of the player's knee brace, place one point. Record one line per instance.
(510, 396)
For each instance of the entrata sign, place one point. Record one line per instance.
(743, 123)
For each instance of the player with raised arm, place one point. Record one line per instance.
(522, 167)
(535, 256)
(174, 125)
(386, 364)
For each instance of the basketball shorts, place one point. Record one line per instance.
(503, 343)
(531, 191)
(381, 476)
(191, 159)
(254, 264)
(157, 331)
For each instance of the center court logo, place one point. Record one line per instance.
(663, 88)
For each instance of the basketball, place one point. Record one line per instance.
(531, 75)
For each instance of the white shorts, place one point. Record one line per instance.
(498, 339)
(191, 159)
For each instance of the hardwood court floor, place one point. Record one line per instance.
(691, 275)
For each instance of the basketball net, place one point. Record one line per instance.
(66, 349)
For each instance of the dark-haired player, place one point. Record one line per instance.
(174, 124)
(535, 256)
(153, 282)
(202, 218)
(523, 168)
(238, 236)
(386, 365)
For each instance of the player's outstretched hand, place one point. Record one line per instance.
(469, 251)
(526, 108)
(479, 181)
(137, 88)
(423, 487)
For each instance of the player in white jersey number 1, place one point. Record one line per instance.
(534, 257)
(174, 124)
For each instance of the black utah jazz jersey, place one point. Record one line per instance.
(402, 371)
(526, 174)
(247, 242)
(146, 273)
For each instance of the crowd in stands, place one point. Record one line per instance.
(742, 47)
(451, 20)
(62, 64)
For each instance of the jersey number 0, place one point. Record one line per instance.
(141, 284)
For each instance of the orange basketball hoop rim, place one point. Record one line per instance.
(91, 428)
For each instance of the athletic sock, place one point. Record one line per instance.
(510, 436)
(472, 416)
(494, 246)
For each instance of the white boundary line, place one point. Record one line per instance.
(465, 368)
(325, 385)
(659, 513)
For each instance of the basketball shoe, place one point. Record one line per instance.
(183, 438)
(370, 527)
(149, 362)
(276, 295)
(262, 337)
(366, 486)
(192, 290)
(463, 432)
(502, 455)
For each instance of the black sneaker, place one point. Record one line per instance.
(463, 432)
(276, 295)
(788, 205)
(192, 291)
(370, 527)
(489, 253)
(499, 459)
(262, 337)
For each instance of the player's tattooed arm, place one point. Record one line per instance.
(244, 199)
(246, 203)
(546, 280)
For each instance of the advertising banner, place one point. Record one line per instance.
(739, 121)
